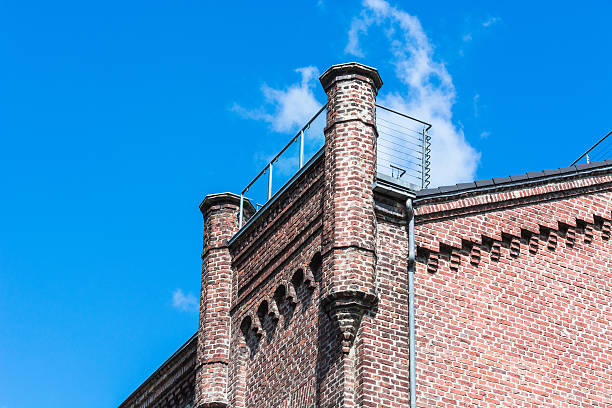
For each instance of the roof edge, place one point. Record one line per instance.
(480, 186)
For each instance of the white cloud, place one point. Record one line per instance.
(490, 21)
(485, 134)
(287, 109)
(185, 302)
(476, 99)
(429, 91)
(467, 37)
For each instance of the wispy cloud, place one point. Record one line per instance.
(429, 92)
(287, 109)
(490, 21)
(184, 302)
(475, 30)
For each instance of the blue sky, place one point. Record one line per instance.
(117, 118)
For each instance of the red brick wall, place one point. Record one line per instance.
(383, 340)
(275, 313)
(513, 304)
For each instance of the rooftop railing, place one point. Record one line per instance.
(303, 146)
(403, 147)
(601, 150)
(403, 151)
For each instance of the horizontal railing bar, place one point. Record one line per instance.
(398, 125)
(405, 150)
(408, 132)
(399, 165)
(403, 146)
(405, 158)
(400, 134)
(402, 159)
(404, 115)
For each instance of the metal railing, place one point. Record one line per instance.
(286, 163)
(403, 150)
(403, 147)
(603, 151)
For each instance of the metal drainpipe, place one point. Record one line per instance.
(411, 263)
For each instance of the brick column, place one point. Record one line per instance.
(220, 213)
(348, 280)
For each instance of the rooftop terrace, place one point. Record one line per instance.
(403, 156)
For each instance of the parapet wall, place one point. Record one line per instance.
(275, 313)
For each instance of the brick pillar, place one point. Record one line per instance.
(348, 279)
(220, 213)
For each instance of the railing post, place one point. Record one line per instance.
(241, 208)
(302, 148)
(423, 160)
(270, 181)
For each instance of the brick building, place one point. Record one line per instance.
(309, 303)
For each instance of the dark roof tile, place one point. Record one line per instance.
(483, 183)
(551, 172)
(535, 174)
(583, 166)
(446, 189)
(501, 180)
(465, 186)
(518, 177)
(458, 188)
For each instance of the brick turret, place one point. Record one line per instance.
(348, 247)
(220, 213)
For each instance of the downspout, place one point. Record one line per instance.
(411, 264)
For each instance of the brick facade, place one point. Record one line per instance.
(514, 296)
(307, 305)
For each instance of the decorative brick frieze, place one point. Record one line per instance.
(515, 246)
(432, 262)
(455, 259)
(475, 255)
(534, 244)
(606, 226)
(553, 236)
(570, 234)
(588, 233)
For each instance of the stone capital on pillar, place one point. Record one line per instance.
(351, 94)
(221, 212)
(350, 71)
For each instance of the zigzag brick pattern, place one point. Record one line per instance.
(522, 323)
